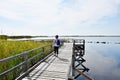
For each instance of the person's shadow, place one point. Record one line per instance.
(63, 59)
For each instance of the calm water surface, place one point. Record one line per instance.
(102, 56)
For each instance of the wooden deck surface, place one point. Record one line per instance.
(54, 68)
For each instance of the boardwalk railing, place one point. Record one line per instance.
(78, 68)
(24, 62)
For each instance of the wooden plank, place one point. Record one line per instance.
(54, 68)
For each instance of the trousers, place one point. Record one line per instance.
(56, 49)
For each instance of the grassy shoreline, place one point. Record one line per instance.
(10, 48)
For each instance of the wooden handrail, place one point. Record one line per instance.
(21, 54)
(25, 61)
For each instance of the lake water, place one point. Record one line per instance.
(102, 56)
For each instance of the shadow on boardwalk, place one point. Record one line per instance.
(63, 59)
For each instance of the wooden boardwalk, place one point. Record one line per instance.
(54, 68)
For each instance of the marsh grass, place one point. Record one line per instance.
(11, 48)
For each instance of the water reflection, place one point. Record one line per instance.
(103, 61)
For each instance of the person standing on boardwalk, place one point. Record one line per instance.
(56, 44)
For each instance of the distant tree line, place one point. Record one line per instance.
(19, 37)
(3, 37)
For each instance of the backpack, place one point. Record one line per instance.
(58, 42)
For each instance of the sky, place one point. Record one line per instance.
(62, 17)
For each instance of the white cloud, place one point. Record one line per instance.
(61, 13)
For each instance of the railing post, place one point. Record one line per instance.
(51, 48)
(73, 59)
(26, 61)
(43, 48)
(84, 47)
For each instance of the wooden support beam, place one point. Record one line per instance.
(80, 72)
